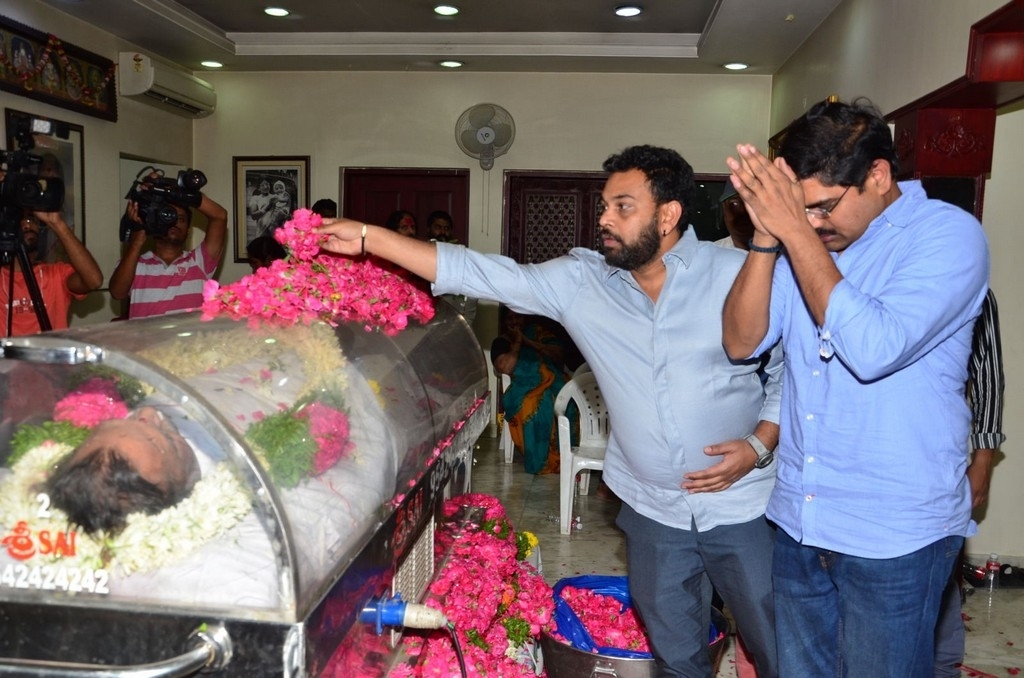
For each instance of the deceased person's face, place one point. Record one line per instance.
(148, 441)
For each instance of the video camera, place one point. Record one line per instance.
(156, 198)
(20, 190)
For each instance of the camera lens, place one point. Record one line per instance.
(166, 216)
(29, 191)
(191, 180)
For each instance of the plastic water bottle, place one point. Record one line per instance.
(992, 568)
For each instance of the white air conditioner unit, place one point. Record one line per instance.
(173, 90)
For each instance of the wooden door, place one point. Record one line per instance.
(547, 213)
(372, 194)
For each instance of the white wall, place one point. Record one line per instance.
(1000, 530)
(891, 52)
(894, 53)
(566, 122)
(563, 122)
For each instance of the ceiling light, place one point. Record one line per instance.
(628, 10)
(446, 10)
(276, 11)
(736, 66)
(450, 63)
(213, 64)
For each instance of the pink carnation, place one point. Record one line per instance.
(95, 401)
(330, 429)
(311, 284)
(605, 620)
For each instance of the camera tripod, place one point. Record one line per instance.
(8, 250)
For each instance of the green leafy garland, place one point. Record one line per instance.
(285, 445)
(286, 442)
(31, 436)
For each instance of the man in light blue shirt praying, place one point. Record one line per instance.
(874, 290)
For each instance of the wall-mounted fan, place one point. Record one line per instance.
(485, 131)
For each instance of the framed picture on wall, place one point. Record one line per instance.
(267, 190)
(58, 152)
(41, 66)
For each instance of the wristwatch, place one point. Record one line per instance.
(764, 455)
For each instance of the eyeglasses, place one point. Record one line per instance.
(826, 212)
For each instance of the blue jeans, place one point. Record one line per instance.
(949, 633)
(668, 573)
(840, 615)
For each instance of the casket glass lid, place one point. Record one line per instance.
(288, 447)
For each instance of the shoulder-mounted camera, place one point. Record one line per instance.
(156, 198)
(20, 189)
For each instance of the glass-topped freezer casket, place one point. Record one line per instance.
(172, 486)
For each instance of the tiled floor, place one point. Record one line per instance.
(995, 637)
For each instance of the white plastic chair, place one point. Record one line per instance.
(505, 436)
(584, 367)
(588, 456)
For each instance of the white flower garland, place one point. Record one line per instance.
(315, 345)
(218, 501)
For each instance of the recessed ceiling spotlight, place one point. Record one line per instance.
(213, 64)
(628, 10)
(276, 11)
(446, 10)
(736, 66)
(450, 63)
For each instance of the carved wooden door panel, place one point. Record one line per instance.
(549, 213)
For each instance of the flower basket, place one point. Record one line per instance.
(576, 654)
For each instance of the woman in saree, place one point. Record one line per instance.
(532, 356)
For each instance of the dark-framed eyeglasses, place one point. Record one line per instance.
(826, 212)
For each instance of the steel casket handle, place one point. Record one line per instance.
(210, 651)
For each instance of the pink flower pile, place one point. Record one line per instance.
(484, 591)
(491, 506)
(330, 429)
(311, 284)
(605, 621)
(96, 400)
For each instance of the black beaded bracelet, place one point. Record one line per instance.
(764, 250)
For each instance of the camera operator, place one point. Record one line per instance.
(59, 282)
(168, 279)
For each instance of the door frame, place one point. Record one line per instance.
(454, 180)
